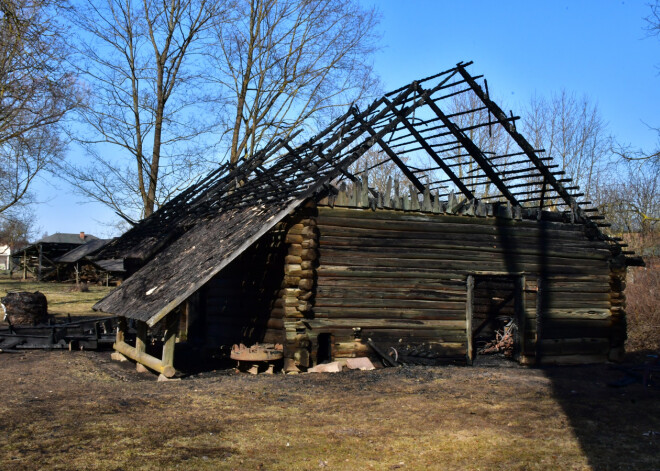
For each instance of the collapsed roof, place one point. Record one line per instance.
(208, 225)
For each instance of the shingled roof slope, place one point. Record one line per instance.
(82, 251)
(194, 236)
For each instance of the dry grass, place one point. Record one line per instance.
(643, 307)
(63, 298)
(78, 410)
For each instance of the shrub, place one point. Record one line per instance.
(643, 307)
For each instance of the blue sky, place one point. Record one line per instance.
(598, 48)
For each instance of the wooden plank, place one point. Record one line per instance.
(468, 319)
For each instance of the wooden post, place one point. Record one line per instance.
(540, 303)
(141, 337)
(24, 265)
(41, 251)
(468, 319)
(171, 329)
(520, 315)
(121, 330)
(77, 274)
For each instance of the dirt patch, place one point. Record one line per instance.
(79, 410)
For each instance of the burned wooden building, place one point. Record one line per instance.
(295, 246)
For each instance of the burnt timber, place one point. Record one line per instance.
(291, 247)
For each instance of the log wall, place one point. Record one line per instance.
(400, 277)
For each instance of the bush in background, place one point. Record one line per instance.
(643, 306)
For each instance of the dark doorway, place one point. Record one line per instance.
(324, 351)
(495, 316)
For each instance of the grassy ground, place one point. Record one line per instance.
(79, 410)
(62, 298)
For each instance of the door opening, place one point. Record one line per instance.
(494, 316)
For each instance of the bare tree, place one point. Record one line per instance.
(16, 229)
(287, 63)
(627, 151)
(629, 198)
(140, 60)
(571, 130)
(36, 91)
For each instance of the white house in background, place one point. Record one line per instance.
(5, 253)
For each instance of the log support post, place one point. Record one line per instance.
(121, 330)
(141, 337)
(169, 342)
(164, 365)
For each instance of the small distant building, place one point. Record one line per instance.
(79, 264)
(39, 258)
(5, 256)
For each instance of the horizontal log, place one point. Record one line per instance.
(292, 292)
(449, 266)
(433, 325)
(389, 304)
(295, 249)
(346, 271)
(294, 239)
(339, 283)
(310, 244)
(484, 246)
(585, 314)
(395, 293)
(479, 260)
(426, 219)
(144, 359)
(293, 259)
(306, 284)
(455, 225)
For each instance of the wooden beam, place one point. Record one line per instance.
(429, 150)
(395, 158)
(518, 138)
(144, 358)
(473, 150)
